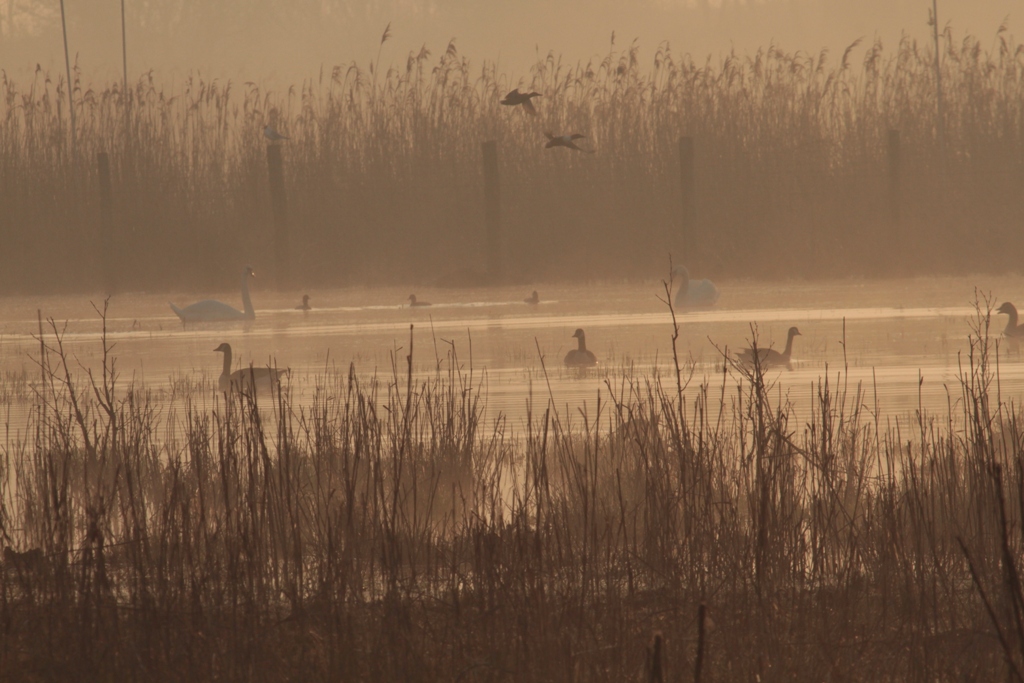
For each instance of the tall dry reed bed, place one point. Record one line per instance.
(386, 533)
(384, 172)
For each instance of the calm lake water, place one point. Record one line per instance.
(904, 339)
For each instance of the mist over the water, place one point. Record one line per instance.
(279, 43)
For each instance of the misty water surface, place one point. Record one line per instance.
(905, 340)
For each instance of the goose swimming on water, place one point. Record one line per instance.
(769, 357)
(533, 299)
(246, 378)
(693, 293)
(580, 357)
(211, 310)
(304, 306)
(414, 302)
(1012, 328)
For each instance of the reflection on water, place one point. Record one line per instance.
(904, 340)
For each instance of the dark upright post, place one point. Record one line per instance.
(492, 211)
(279, 206)
(688, 196)
(894, 176)
(106, 223)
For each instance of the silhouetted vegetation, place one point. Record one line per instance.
(387, 533)
(385, 184)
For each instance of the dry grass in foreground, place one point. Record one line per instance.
(385, 533)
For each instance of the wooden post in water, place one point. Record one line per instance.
(686, 240)
(492, 211)
(895, 174)
(106, 235)
(279, 207)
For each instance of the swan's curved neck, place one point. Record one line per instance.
(1012, 323)
(684, 285)
(582, 343)
(227, 363)
(246, 301)
(789, 345)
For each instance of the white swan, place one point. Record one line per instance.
(210, 310)
(580, 357)
(246, 378)
(693, 293)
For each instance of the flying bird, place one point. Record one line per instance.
(566, 141)
(515, 97)
(273, 135)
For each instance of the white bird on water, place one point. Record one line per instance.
(693, 293)
(246, 378)
(273, 135)
(210, 310)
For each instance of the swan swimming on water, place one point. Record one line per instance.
(533, 299)
(414, 302)
(769, 357)
(580, 357)
(304, 306)
(210, 310)
(1012, 328)
(263, 378)
(693, 293)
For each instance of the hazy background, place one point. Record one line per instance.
(790, 105)
(280, 42)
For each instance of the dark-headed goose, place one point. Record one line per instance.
(770, 357)
(1012, 328)
(580, 357)
(247, 378)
